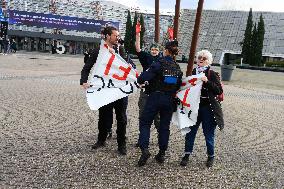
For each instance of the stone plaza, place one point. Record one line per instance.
(47, 129)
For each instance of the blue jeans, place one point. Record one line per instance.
(157, 102)
(205, 116)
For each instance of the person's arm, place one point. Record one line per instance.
(149, 74)
(87, 68)
(137, 43)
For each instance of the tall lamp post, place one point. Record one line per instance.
(176, 19)
(194, 38)
(157, 22)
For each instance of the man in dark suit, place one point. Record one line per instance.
(111, 37)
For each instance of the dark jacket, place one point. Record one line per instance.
(92, 60)
(146, 59)
(213, 88)
(154, 76)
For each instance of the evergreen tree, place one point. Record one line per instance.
(260, 39)
(254, 47)
(246, 44)
(128, 34)
(133, 49)
(142, 23)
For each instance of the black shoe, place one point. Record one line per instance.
(98, 145)
(109, 135)
(160, 157)
(210, 162)
(184, 160)
(143, 158)
(122, 150)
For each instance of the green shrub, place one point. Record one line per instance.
(275, 64)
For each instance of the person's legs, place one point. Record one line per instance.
(208, 126)
(166, 111)
(141, 103)
(145, 122)
(189, 141)
(157, 122)
(120, 107)
(105, 118)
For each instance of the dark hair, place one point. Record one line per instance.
(172, 47)
(154, 45)
(108, 30)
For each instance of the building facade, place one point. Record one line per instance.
(222, 32)
(34, 38)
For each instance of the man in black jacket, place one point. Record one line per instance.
(111, 36)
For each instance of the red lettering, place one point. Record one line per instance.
(108, 66)
(184, 98)
(192, 81)
(126, 72)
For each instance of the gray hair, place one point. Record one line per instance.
(205, 53)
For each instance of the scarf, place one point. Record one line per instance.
(201, 69)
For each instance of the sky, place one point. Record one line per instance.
(256, 5)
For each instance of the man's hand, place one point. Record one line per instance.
(204, 78)
(86, 85)
(142, 86)
(111, 50)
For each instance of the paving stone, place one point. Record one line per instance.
(47, 129)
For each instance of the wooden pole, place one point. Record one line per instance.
(194, 38)
(176, 19)
(157, 22)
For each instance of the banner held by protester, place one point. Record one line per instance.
(189, 98)
(111, 78)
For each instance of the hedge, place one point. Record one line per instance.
(275, 64)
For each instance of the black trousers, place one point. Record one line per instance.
(106, 120)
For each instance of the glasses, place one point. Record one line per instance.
(202, 58)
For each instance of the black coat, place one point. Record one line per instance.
(92, 60)
(214, 88)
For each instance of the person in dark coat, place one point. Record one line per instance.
(146, 59)
(87, 53)
(111, 36)
(14, 46)
(1, 44)
(164, 80)
(210, 112)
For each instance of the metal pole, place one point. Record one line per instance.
(194, 38)
(176, 19)
(157, 23)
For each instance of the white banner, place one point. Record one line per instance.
(187, 110)
(111, 78)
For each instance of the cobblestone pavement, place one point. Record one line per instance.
(46, 130)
